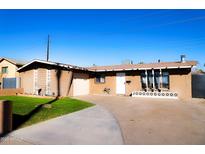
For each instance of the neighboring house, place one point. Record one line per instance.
(9, 77)
(162, 79)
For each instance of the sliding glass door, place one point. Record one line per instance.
(165, 80)
(143, 80)
(155, 80)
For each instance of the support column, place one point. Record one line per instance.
(35, 82)
(153, 79)
(160, 79)
(146, 79)
(70, 83)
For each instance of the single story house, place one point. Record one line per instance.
(9, 77)
(161, 79)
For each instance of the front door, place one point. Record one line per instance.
(120, 83)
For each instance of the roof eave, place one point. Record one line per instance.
(52, 63)
(149, 68)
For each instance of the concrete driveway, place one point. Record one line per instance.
(94, 125)
(156, 121)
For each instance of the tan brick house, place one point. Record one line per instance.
(160, 80)
(40, 77)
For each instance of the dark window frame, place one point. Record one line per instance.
(2, 70)
(165, 77)
(100, 76)
(150, 79)
(165, 74)
(143, 80)
(157, 79)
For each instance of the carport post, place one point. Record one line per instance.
(146, 79)
(153, 79)
(160, 79)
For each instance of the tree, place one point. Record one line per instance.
(200, 71)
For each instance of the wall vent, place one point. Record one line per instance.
(155, 94)
(183, 60)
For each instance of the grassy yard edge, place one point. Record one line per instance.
(24, 107)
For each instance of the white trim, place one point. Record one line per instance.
(35, 60)
(153, 82)
(129, 69)
(51, 63)
(119, 69)
(169, 67)
(145, 68)
(146, 78)
(158, 68)
(35, 82)
(185, 66)
(102, 70)
(18, 82)
(172, 67)
(160, 79)
(48, 82)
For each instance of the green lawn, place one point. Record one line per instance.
(29, 110)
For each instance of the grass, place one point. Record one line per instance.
(29, 110)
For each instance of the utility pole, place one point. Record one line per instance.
(48, 48)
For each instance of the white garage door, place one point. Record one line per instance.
(80, 86)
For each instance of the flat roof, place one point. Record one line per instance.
(126, 67)
(159, 65)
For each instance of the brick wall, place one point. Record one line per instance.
(9, 92)
(27, 81)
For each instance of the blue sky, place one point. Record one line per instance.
(103, 37)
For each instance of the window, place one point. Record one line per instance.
(143, 80)
(150, 79)
(157, 79)
(147, 79)
(100, 78)
(165, 80)
(4, 70)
